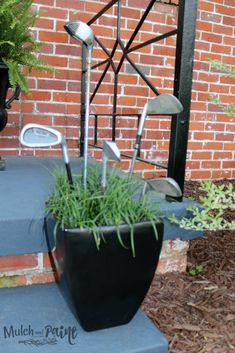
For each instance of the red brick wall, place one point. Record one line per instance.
(55, 97)
(212, 142)
(20, 270)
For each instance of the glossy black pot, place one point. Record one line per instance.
(107, 286)
(5, 104)
(4, 85)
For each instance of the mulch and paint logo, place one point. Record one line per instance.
(47, 335)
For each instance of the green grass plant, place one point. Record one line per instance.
(74, 207)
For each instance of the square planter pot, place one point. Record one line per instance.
(107, 286)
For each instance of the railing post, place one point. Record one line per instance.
(182, 89)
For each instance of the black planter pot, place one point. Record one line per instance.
(4, 85)
(107, 286)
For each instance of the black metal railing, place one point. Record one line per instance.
(185, 36)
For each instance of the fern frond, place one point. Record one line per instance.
(16, 76)
(17, 44)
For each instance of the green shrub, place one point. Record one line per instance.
(210, 215)
(17, 43)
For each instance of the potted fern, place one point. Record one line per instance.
(17, 48)
(107, 246)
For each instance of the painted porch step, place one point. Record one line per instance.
(24, 189)
(36, 318)
(25, 185)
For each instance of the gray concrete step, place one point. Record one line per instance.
(37, 319)
(25, 185)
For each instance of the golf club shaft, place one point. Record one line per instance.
(66, 162)
(87, 114)
(133, 161)
(142, 120)
(104, 173)
(144, 188)
(69, 173)
(138, 140)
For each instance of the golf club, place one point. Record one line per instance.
(35, 135)
(162, 104)
(110, 152)
(82, 32)
(167, 186)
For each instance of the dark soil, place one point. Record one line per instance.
(197, 313)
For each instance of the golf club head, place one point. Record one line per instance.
(164, 104)
(35, 135)
(111, 151)
(81, 31)
(166, 186)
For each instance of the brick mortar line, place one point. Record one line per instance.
(25, 271)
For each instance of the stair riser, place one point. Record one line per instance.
(30, 269)
(27, 269)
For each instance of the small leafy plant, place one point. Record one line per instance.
(17, 43)
(194, 271)
(210, 215)
(92, 208)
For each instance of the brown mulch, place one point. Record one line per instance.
(197, 313)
